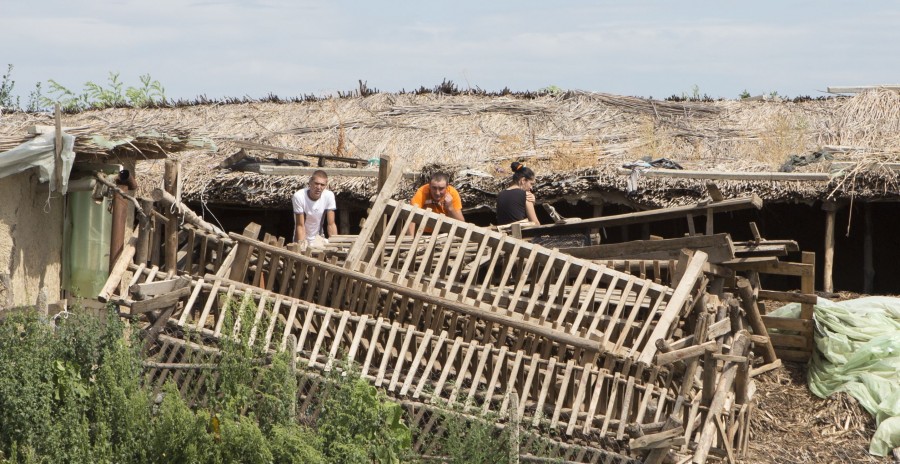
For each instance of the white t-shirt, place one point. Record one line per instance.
(314, 210)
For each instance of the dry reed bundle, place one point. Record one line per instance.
(557, 135)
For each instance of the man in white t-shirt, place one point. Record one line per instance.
(311, 205)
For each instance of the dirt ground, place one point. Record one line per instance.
(791, 425)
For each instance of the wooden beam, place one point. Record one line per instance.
(276, 170)
(787, 297)
(754, 316)
(163, 301)
(115, 274)
(514, 320)
(169, 201)
(770, 266)
(718, 248)
(861, 88)
(841, 165)
(827, 282)
(655, 215)
(170, 242)
(674, 306)
(372, 221)
(724, 175)
(269, 148)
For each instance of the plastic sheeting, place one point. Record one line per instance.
(39, 152)
(858, 351)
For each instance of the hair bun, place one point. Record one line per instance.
(516, 166)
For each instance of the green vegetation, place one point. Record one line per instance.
(115, 94)
(73, 393)
(7, 100)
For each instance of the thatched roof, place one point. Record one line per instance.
(575, 142)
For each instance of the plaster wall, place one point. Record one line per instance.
(31, 240)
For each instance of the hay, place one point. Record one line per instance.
(790, 424)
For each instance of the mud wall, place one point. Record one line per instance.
(31, 237)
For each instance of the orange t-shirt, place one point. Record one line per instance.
(423, 199)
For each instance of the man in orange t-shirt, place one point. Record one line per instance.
(438, 196)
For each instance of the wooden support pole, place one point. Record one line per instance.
(754, 318)
(117, 234)
(723, 389)
(115, 274)
(868, 254)
(170, 182)
(514, 426)
(142, 245)
(168, 201)
(827, 282)
(674, 306)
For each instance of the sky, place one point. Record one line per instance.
(231, 48)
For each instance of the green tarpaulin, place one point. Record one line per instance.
(858, 351)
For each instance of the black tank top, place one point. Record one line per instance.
(510, 206)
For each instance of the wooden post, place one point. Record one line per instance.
(142, 246)
(344, 220)
(723, 389)
(117, 234)
(595, 232)
(868, 256)
(808, 283)
(827, 282)
(754, 318)
(384, 169)
(170, 183)
(57, 151)
(514, 426)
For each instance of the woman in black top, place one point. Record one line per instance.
(517, 202)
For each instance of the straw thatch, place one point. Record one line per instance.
(573, 141)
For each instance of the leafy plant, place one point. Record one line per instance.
(358, 425)
(114, 94)
(7, 100)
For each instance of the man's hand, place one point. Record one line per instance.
(448, 202)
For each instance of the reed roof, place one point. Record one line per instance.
(574, 141)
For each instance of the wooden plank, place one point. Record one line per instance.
(787, 323)
(401, 358)
(674, 305)
(788, 341)
(338, 338)
(718, 247)
(388, 353)
(561, 394)
(115, 275)
(787, 297)
(357, 250)
(770, 266)
(514, 321)
(289, 324)
(859, 88)
(190, 303)
(649, 216)
(772, 176)
(579, 399)
(213, 295)
(160, 302)
(424, 346)
(431, 361)
(248, 145)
